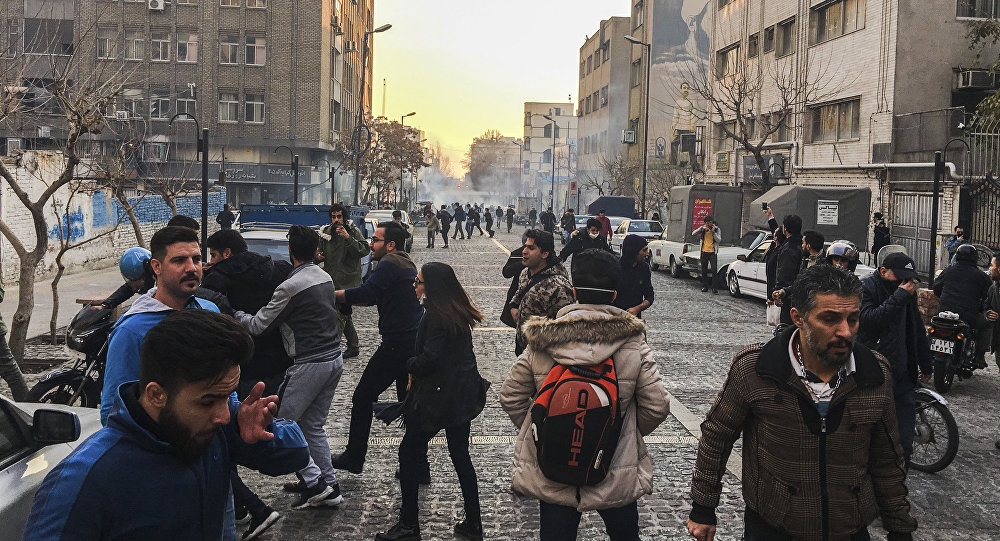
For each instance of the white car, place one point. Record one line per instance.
(748, 275)
(274, 243)
(647, 229)
(34, 438)
(380, 216)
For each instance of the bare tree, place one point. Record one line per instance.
(53, 86)
(616, 175)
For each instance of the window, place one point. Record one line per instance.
(557, 111)
(604, 97)
(160, 50)
(605, 50)
(187, 99)
(836, 121)
(527, 119)
(187, 47)
(154, 152)
(48, 36)
(107, 46)
(229, 3)
(724, 3)
(727, 61)
(983, 9)
(253, 109)
(135, 45)
(583, 68)
(133, 102)
(547, 156)
(785, 43)
(12, 442)
(597, 59)
(159, 104)
(768, 39)
(590, 64)
(547, 131)
(836, 19)
(527, 143)
(586, 106)
(229, 46)
(753, 44)
(12, 41)
(256, 50)
(637, 15)
(257, 4)
(722, 140)
(636, 76)
(229, 106)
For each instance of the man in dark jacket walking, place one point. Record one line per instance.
(635, 283)
(390, 288)
(962, 288)
(488, 216)
(444, 217)
(584, 239)
(891, 325)
(568, 224)
(225, 217)
(788, 262)
(548, 220)
(815, 410)
(510, 218)
(459, 221)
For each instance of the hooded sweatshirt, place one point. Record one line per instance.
(635, 283)
(125, 343)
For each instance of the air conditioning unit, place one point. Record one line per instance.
(975, 79)
(45, 132)
(156, 5)
(628, 137)
(13, 144)
(121, 115)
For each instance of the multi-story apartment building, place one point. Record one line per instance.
(879, 85)
(496, 168)
(259, 74)
(605, 60)
(543, 138)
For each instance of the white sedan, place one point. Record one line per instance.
(748, 275)
(647, 229)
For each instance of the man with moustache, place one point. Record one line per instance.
(543, 286)
(160, 468)
(821, 453)
(176, 262)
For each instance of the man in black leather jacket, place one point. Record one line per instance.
(962, 288)
(788, 260)
(891, 325)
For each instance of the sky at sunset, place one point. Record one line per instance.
(468, 66)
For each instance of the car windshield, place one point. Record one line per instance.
(277, 249)
(644, 226)
(615, 221)
(750, 239)
(581, 219)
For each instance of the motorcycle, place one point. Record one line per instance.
(935, 439)
(81, 384)
(953, 348)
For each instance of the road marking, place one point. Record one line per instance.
(692, 423)
(501, 246)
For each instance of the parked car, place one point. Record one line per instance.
(684, 258)
(648, 229)
(34, 438)
(386, 216)
(725, 255)
(748, 276)
(274, 243)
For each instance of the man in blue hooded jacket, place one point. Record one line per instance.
(160, 468)
(176, 261)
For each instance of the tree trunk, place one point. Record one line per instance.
(60, 269)
(130, 212)
(172, 203)
(25, 304)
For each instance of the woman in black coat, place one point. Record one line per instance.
(446, 392)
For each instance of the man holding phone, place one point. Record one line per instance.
(955, 241)
(341, 248)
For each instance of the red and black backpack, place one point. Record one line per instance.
(575, 423)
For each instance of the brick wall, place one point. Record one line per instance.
(91, 213)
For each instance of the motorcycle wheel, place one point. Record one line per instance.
(935, 440)
(60, 389)
(943, 376)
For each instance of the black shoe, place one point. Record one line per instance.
(242, 515)
(400, 532)
(424, 478)
(468, 530)
(298, 486)
(343, 462)
(351, 353)
(262, 522)
(704, 290)
(715, 291)
(981, 363)
(320, 495)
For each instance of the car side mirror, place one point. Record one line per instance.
(741, 257)
(49, 427)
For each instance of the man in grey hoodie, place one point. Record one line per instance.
(304, 309)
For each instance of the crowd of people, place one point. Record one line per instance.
(236, 361)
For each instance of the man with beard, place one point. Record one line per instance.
(543, 287)
(160, 468)
(341, 249)
(176, 262)
(390, 288)
(815, 409)
(891, 325)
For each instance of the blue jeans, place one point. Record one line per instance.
(560, 522)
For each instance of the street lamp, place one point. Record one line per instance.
(202, 145)
(645, 122)
(940, 158)
(552, 194)
(520, 169)
(356, 140)
(399, 196)
(295, 172)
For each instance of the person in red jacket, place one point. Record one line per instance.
(605, 225)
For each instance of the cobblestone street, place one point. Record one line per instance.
(694, 336)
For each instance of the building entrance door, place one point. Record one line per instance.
(911, 226)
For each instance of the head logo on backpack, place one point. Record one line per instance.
(575, 423)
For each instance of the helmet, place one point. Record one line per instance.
(132, 263)
(967, 252)
(845, 249)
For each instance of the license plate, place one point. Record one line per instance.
(942, 346)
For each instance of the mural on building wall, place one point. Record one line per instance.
(681, 50)
(101, 217)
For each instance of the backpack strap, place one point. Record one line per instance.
(519, 296)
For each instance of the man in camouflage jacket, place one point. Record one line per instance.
(543, 287)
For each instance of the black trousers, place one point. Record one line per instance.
(444, 233)
(560, 522)
(709, 259)
(510, 224)
(906, 418)
(386, 366)
(413, 458)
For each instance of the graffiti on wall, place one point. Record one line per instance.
(71, 226)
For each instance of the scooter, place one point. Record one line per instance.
(81, 384)
(953, 349)
(935, 438)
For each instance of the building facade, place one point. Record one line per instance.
(270, 79)
(548, 154)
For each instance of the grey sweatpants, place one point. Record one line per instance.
(305, 398)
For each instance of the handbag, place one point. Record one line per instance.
(773, 314)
